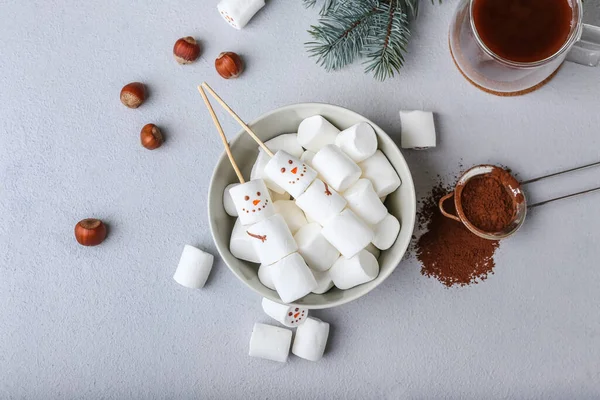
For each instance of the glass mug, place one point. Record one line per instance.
(500, 76)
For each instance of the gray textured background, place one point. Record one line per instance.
(110, 322)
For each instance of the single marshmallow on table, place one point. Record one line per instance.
(270, 342)
(289, 172)
(347, 233)
(194, 267)
(279, 196)
(386, 232)
(311, 339)
(318, 253)
(294, 217)
(228, 202)
(359, 141)
(265, 275)
(292, 278)
(240, 244)
(365, 203)
(252, 201)
(258, 172)
(381, 173)
(324, 282)
(336, 168)
(316, 132)
(238, 13)
(289, 316)
(371, 249)
(320, 202)
(418, 130)
(307, 157)
(272, 239)
(347, 273)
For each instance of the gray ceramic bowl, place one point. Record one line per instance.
(401, 203)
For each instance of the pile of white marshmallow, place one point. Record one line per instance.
(332, 231)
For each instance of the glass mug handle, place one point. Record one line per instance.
(587, 50)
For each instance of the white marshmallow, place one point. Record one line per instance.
(381, 173)
(270, 342)
(252, 201)
(289, 316)
(258, 172)
(194, 267)
(228, 202)
(371, 249)
(240, 244)
(320, 202)
(383, 199)
(359, 141)
(287, 142)
(347, 273)
(363, 200)
(265, 275)
(386, 232)
(318, 253)
(290, 173)
(292, 278)
(347, 233)
(311, 339)
(418, 130)
(307, 157)
(336, 168)
(237, 13)
(324, 282)
(272, 239)
(294, 217)
(279, 196)
(315, 132)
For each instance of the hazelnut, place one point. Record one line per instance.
(90, 232)
(229, 65)
(151, 137)
(133, 94)
(186, 50)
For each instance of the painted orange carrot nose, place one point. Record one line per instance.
(295, 170)
(255, 202)
(296, 315)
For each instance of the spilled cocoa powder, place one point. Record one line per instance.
(448, 251)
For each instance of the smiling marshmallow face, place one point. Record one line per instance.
(295, 316)
(290, 173)
(252, 201)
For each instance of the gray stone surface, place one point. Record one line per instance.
(109, 322)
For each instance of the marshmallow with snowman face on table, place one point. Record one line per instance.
(290, 173)
(252, 201)
(238, 13)
(290, 316)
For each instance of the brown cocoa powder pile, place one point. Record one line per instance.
(487, 204)
(448, 251)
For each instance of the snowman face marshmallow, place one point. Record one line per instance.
(252, 201)
(290, 173)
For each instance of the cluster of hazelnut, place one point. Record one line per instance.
(92, 232)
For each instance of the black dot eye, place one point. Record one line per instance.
(290, 162)
(246, 198)
(282, 170)
(258, 193)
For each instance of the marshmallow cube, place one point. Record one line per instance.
(320, 202)
(318, 253)
(287, 142)
(265, 275)
(290, 173)
(270, 342)
(228, 202)
(292, 278)
(316, 132)
(336, 168)
(381, 173)
(307, 157)
(359, 141)
(294, 217)
(324, 282)
(240, 244)
(279, 196)
(347, 273)
(418, 130)
(347, 233)
(311, 339)
(365, 203)
(252, 201)
(370, 248)
(194, 267)
(386, 232)
(272, 239)
(237, 13)
(284, 314)
(258, 172)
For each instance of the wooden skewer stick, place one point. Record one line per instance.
(238, 119)
(223, 137)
